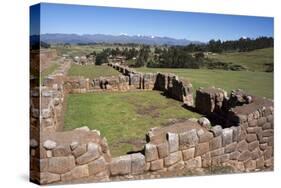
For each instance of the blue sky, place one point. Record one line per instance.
(59, 18)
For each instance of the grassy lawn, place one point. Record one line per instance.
(253, 60)
(91, 71)
(52, 67)
(256, 83)
(123, 118)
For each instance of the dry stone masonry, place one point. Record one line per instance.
(244, 141)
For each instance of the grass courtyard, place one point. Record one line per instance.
(256, 83)
(92, 71)
(123, 118)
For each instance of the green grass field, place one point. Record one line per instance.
(256, 83)
(91, 71)
(123, 118)
(253, 60)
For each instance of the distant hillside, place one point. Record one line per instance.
(101, 38)
(256, 60)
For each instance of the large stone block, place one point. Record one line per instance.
(253, 145)
(216, 130)
(250, 165)
(138, 163)
(194, 163)
(97, 166)
(61, 151)
(227, 135)
(151, 152)
(230, 147)
(189, 138)
(173, 140)
(201, 149)
(79, 150)
(244, 156)
(217, 152)
(163, 149)
(242, 146)
(215, 143)
(268, 153)
(157, 165)
(121, 165)
(76, 173)
(188, 154)
(47, 177)
(204, 136)
(93, 152)
(172, 158)
(251, 137)
(61, 165)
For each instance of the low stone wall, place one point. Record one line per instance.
(168, 83)
(67, 156)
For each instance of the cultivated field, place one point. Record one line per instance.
(256, 83)
(123, 118)
(91, 71)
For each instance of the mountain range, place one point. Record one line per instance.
(103, 38)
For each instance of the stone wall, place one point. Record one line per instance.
(244, 142)
(170, 84)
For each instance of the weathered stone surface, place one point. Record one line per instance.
(261, 121)
(157, 164)
(219, 151)
(74, 145)
(230, 147)
(206, 160)
(236, 132)
(267, 126)
(47, 177)
(61, 165)
(76, 173)
(253, 123)
(151, 152)
(173, 140)
(227, 135)
(217, 130)
(215, 143)
(251, 137)
(234, 155)
(189, 138)
(260, 163)
(270, 118)
(202, 148)
(93, 152)
(244, 156)
(138, 163)
(49, 153)
(254, 130)
(204, 122)
(49, 144)
(179, 165)
(163, 149)
(268, 162)
(61, 151)
(267, 133)
(97, 166)
(242, 146)
(253, 145)
(194, 163)
(121, 165)
(255, 154)
(268, 153)
(217, 160)
(172, 158)
(79, 150)
(204, 136)
(263, 146)
(188, 154)
(250, 165)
